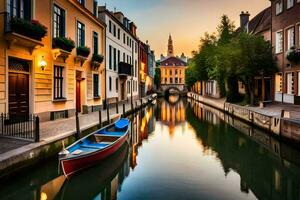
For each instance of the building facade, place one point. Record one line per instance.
(259, 25)
(286, 40)
(51, 67)
(143, 68)
(121, 57)
(172, 70)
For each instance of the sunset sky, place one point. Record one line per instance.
(186, 20)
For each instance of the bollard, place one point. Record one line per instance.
(77, 126)
(37, 129)
(123, 109)
(100, 117)
(117, 106)
(107, 112)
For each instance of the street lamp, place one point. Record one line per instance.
(43, 63)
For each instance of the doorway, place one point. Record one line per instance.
(18, 94)
(78, 96)
(123, 91)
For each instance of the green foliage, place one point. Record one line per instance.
(66, 44)
(97, 58)
(157, 76)
(293, 55)
(230, 58)
(83, 51)
(32, 29)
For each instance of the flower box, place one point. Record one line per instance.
(63, 43)
(83, 51)
(293, 55)
(32, 29)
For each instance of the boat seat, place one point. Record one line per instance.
(94, 146)
(111, 134)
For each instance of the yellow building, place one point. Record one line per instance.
(51, 67)
(172, 69)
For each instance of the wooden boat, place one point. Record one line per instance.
(94, 147)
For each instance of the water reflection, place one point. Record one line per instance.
(182, 150)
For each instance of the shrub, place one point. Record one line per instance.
(83, 51)
(293, 55)
(32, 29)
(66, 44)
(97, 58)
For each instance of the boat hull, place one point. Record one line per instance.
(72, 165)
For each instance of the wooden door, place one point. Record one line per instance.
(78, 96)
(18, 94)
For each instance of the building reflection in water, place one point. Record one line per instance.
(172, 112)
(267, 167)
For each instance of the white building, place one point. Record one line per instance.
(121, 56)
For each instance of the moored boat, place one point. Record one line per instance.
(94, 147)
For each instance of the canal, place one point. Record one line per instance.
(178, 149)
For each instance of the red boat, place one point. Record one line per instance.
(94, 147)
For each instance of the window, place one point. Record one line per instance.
(119, 33)
(278, 83)
(110, 57)
(124, 57)
(110, 26)
(128, 87)
(124, 38)
(96, 85)
(114, 30)
(176, 80)
(58, 22)
(127, 41)
(117, 84)
(290, 83)
(170, 72)
(82, 2)
(109, 83)
(95, 7)
(80, 34)
(279, 42)
(95, 42)
(19, 8)
(119, 57)
(176, 71)
(180, 80)
(115, 59)
(58, 82)
(135, 68)
(290, 38)
(290, 3)
(171, 80)
(279, 7)
(166, 80)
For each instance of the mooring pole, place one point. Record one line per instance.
(77, 126)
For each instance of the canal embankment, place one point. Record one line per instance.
(55, 134)
(276, 123)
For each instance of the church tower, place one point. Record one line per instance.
(170, 47)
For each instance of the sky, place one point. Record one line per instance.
(185, 20)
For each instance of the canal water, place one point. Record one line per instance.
(178, 149)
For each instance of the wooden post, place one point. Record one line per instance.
(37, 129)
(117, 105)
(100, 118)
(77, 126)
(107, 111)
(123, 109)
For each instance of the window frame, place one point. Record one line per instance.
(59, 31)
(277, 50)
(58, 82)
(96, 85)
(288, 5)
(80, 34)
(278, 10)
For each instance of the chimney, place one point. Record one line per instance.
(244, 20)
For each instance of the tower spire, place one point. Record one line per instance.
(170, 46)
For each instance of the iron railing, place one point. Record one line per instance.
(20, 127)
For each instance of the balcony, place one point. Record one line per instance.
(124, 69)
(23, 32)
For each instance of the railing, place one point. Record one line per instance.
(124, 69)
(20, 127)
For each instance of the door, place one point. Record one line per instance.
(78, 96)
(18, 94)
(123, 91)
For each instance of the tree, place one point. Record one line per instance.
(157, 75)
(256, 59)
